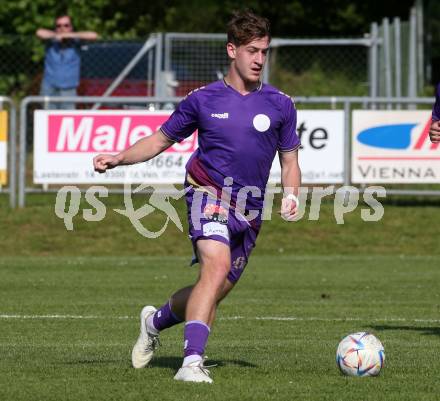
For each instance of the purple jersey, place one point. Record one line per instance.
(436, 108)
(239, 135)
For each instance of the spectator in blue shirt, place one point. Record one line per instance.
(62, 62)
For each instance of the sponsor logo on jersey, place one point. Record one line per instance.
(220, 115)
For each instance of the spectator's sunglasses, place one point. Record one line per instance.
(63, 25)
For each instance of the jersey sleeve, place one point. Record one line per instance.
(436, 108)
(184, 120)
(288, 139)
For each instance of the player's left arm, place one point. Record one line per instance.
(434, 131)
(291, 182)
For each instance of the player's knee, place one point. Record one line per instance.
(215, 271)
(218, 274)
(217, 262)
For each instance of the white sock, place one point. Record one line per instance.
(190, 359)
(150, 325)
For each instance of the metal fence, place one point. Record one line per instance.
(387, 61)
(173, 64)
(137, 64)
(346, 103)
(300, 66)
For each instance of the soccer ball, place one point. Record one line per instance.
(360, 354)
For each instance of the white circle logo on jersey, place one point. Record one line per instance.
(261, 122)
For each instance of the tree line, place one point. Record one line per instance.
(124, 19)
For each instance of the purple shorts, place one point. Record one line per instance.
(208, 218)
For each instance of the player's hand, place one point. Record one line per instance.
(434, 132)
(289, 208)
(102, 163)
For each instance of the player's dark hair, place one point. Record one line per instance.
(245, 26)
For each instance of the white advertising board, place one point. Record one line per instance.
(393, 147)
(3, 147)
(321, 155)
(65, 143)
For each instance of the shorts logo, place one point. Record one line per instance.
(261, 122)
(214, 228)
(239, 263)
(216, 213)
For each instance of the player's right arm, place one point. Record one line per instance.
(143, 150)
(181, 124)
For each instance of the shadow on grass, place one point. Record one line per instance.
(161, 362)
(434, 331)
(172, 362)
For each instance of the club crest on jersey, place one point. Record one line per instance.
(261, 122)
(216, 213)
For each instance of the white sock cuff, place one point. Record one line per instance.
(150, 325)
(198, 322)
(191, 358)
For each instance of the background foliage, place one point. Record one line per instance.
(131, 18)
(22, 53)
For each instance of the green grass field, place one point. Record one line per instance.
(69, 304)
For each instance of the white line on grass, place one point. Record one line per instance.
(89, 317)
(321, 319)
(270, 318)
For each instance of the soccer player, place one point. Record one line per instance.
(434, 132)
(242, 124)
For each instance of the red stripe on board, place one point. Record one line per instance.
(424, 136)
